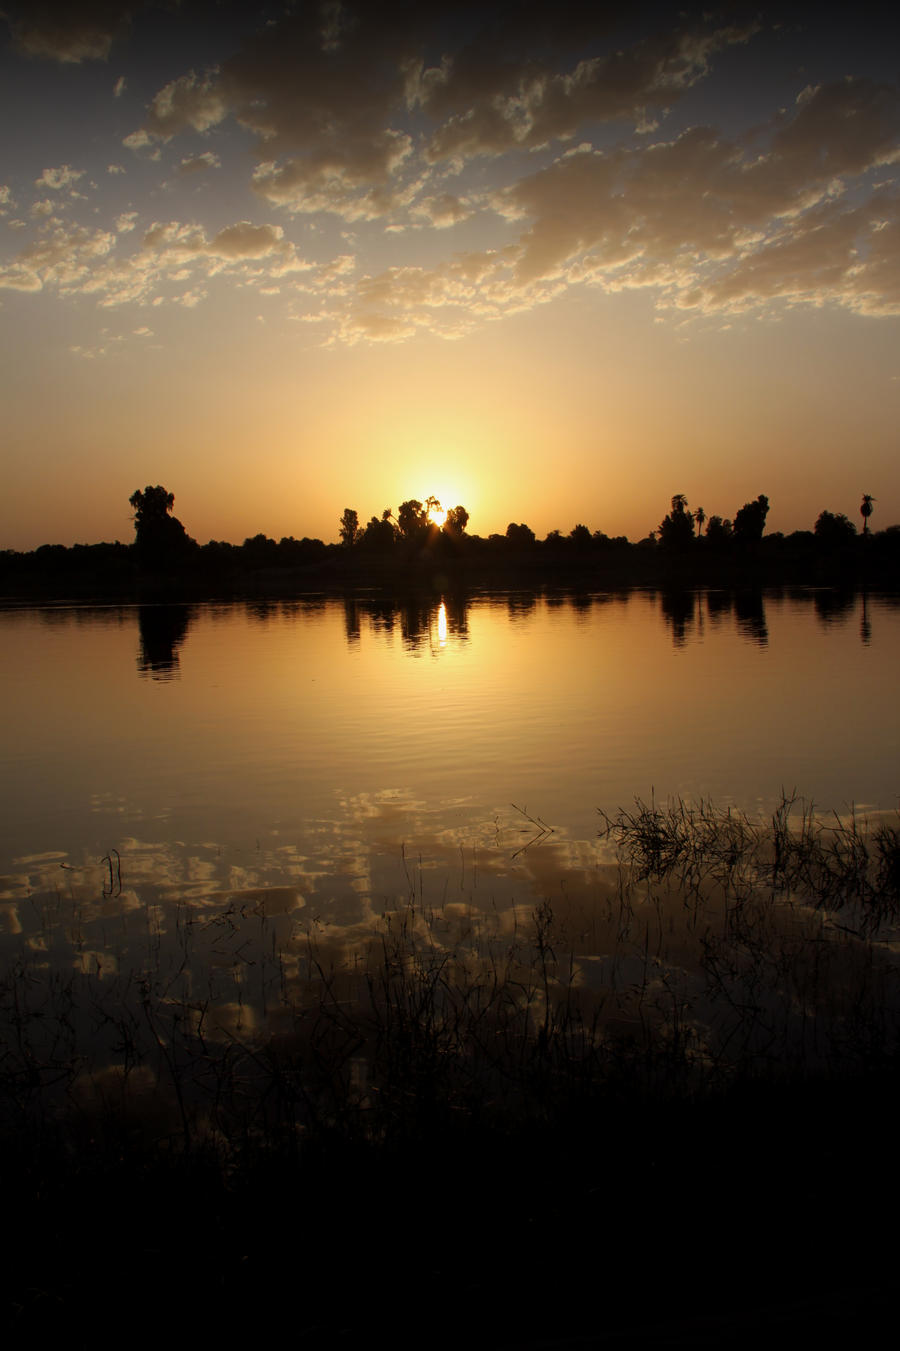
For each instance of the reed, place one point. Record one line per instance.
(595, 1069)
(724, 948)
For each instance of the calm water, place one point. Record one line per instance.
(333, 757)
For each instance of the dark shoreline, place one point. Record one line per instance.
(212, 572)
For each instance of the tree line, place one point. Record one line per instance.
(421, 539)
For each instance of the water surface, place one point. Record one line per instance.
(326, 759)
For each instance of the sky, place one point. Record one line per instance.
(553, 266)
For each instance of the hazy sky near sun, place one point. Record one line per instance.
(289, 258)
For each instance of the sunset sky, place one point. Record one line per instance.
(289, 258)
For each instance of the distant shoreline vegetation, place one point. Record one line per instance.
(425, 546)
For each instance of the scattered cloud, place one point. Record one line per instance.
(484, 105)
(188, 103)
(194, 164)
(137, 140)
(380, 116)
(442, 210)
(56, 179)
(65, 258)
(76, 261)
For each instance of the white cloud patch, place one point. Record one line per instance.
(189, 103)
(64, 258)
(195, 164)
(56, 179)
(80, 262)
(442, 210)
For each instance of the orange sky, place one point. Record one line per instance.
(554, 270)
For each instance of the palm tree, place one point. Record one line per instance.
(699, 517)
(866, 510)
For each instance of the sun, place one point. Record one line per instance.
(437, 516)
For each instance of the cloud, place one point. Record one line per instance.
(397, 117)
(56, 179)
(691, 215)
(329, 91)
(806, 212)
(350, 180)
(324, 98)
(442, 210)
(80, 262)
(486, 106)
(188, 103)
(194, 164)
(63, 258)
(60, 30)
(119, 87)
(246, 241)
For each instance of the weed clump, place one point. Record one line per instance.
(584, 1060)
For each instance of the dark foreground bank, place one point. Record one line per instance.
(636, 1221)
(456, 1148)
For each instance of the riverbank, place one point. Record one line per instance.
(265, 568)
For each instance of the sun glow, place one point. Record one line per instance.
(439, 504)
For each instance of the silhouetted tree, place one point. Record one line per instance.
(150, 506)
(676, 531)
(865, 510)
(699, 517)
(580, 536)
(259, 551)
(717, 530)
(160, 538)
(834, 530)
(750, 521)
(349, 527)
(411, 518)
(378, 535)
(522, 536)
(456, 521)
